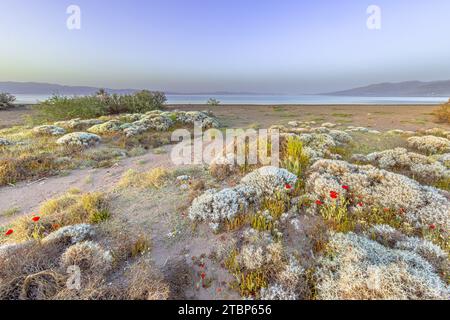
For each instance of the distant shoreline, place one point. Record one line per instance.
(255, 100)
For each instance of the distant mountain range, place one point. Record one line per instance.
(400, 89)
(49, 88)
(35, 88)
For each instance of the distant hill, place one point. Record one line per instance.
(31, 88)
(48, 88)
(400, 89)
(387, 89)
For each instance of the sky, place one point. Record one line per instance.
(265, 46)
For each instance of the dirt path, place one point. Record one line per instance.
(27, 197)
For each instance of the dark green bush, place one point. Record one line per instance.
(6, 100)
(65, 108)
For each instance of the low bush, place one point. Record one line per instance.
(27, 166)
(442, 114)
(294, 159)
(71, 208)
(6, 101)
(66, 108)
(154, 178)
(213, 102)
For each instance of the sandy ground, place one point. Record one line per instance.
(28, 196)
(16, 116)
(379, 117)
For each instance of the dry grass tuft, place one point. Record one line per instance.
(154, 178)
(89, 257)
(442, 114)
(145, 282)
(221, 171)
(69, 209)
(23, 167)
(27, 270)
(42, 285)
(294, 159)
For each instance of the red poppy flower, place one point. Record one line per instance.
(287, 186)
(360, 204)
(345, 187)
(319, 203)
(334, 194)
(432, 226)
(203, 275)
(36, 219)
(9, 232)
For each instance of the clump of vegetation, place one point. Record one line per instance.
(278, 204)
(154, 178)
(443, 184)
(6, 101)
(40, 270)
(27, 166)
(29, 274)
(249, 283)
(146, 283)
(10, 212)
(443, 113)
(65, 108)
(295, 159)
(340, 219)
(213, 102)
(262, 221)
(69, 209)
(364, 143)
(36, 157)
(88, 256)
(221, 171)
(140, 246)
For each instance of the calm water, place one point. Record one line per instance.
(274, 99)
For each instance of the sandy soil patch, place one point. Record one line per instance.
(379, 117)
(27, 197)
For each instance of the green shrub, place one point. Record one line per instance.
(139, 102)
(26, 166)
(213, 102)
(6, 100)
(65, 108)
(295, 159)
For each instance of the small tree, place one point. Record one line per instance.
(213, 102)
(6, 101)
(101, 94)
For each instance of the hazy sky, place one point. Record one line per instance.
(288, 46)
